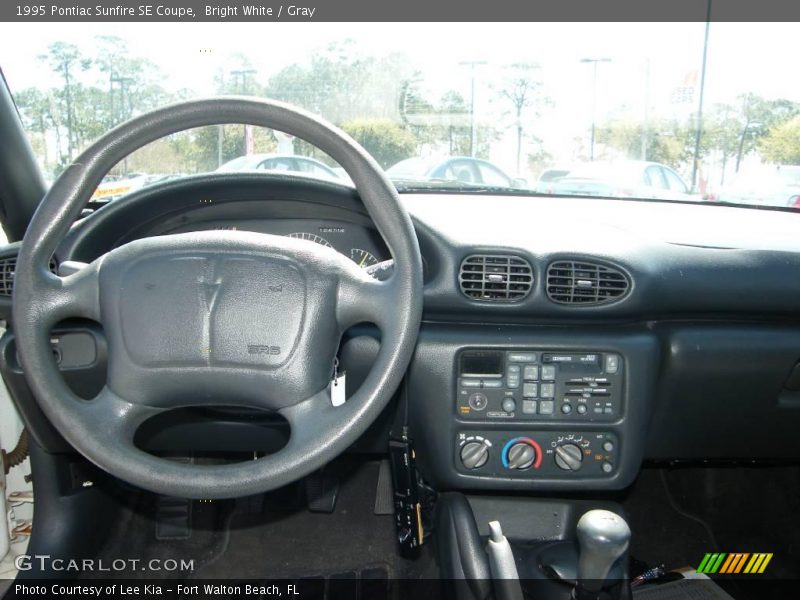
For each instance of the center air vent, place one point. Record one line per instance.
(495, 277)
(581, 282)
(8, 267)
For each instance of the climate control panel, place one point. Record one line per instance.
(542, 454)
(539, 385)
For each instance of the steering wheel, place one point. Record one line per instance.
(217, 318)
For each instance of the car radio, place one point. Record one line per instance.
(539, 385)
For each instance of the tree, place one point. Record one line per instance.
(131, 81)
(385, 140)
(341, 84)
(522, 90)
(667, 142)
(64, 59)
(757, 117)
(34, 108)
(781, 145)
(722, 132)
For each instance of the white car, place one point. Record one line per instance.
(778, 187)
(280, 162)
(622, 179)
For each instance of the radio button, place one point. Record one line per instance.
(548, 390)
(566, 408)
(530, 373)
(471, 383)
(530, 390)
(548, 372)
(522, 357)
(509, 405)
(581, 409)
(512, 382)
(546, 407)
(529, 407)
(492, 383)
(612, 363)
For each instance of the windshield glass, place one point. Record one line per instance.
(593, 109)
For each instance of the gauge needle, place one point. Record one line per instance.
(363, 260)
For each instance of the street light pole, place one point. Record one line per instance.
(241, 76)
(699, 130)
(594, 62)
(472, 133)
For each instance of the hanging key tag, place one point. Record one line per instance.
(337, 386)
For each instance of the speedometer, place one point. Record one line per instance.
(363, 258)
(311, 238)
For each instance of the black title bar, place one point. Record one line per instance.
(400, 10)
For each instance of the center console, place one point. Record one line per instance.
(528, 386)
(531, 408)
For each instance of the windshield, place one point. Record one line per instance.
(591, 109)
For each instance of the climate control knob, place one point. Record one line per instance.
(474, 455)
(569, 457)
(522, 453)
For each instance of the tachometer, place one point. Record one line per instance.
(363, 258)
(311, 238)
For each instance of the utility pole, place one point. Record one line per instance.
(699, 132)
(241, 76)
(473, 141)
(645, 124)
(68, 97)
(122, 82)
(593, 62)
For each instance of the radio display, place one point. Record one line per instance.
(486, 364)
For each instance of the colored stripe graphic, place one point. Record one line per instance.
(741, 562)
(734, 562)
(711, 562)
(715, 567)
(767, 558)
(704, 563)
(728, 564)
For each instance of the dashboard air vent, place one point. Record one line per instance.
(8, 266)
(495, 277)
(582, 282)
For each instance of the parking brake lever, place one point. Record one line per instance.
(502, 565)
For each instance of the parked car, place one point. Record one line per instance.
(113, 188)
(623, 179)
(548, 176)
(463, 169)
(279, 162)
(778, 187)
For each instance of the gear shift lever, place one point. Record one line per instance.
(603, 537)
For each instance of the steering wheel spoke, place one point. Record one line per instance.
(112, 419)
(361, 298)
(81, 293)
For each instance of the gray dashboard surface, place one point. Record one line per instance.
(683, 259)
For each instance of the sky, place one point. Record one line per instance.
(741, 57)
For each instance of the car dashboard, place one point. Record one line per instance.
(564, 341)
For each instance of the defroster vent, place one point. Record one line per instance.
(495, 277)
(8, 266)
(583, 282)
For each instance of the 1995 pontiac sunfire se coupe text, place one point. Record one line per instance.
(336, 311)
